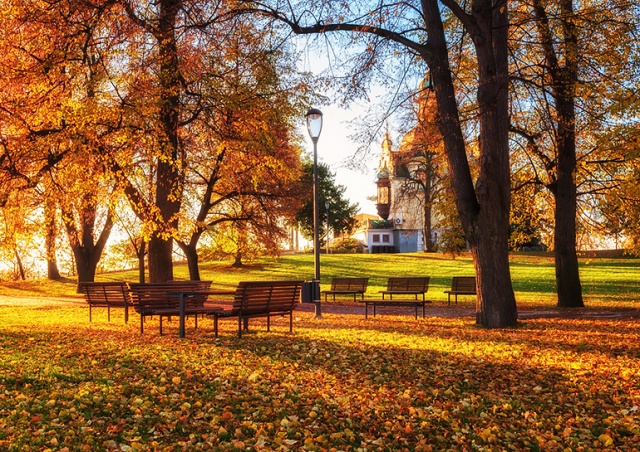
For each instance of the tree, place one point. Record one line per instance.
(417, 31)
(243, 166)
(59, 118)
(421, 155)
(342, 213)
(560, 72)
(51, 234)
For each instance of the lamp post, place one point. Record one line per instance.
(326, 205)
(314, 126)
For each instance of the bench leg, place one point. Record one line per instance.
(126, 313)
(108, 313)
(90, 319)
(374, 309)
(416, 312)
(161, 324)
(291, 321)
(141, 323)
(268, 322)
(366, 310)
(239, 326)
(423, 310)
(215, 325)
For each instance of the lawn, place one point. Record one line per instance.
(339, 383)
(605, 282)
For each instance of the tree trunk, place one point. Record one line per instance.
(160, 260)
(87, 254)
(141, 252)
(237, 263)
(20, 265)
(496, 305)
(192, 261)
(428, 243)
(428, 200)
(563, 87)
(568, 285)
(168, 178)
(86, 265)
(483, 210)
(50, 239)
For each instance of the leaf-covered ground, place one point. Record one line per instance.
(342, 383)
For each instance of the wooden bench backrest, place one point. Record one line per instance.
(254, 297)
(355, 284)
(146, 296)
(463, 284)
(105, 293)
(410, 283)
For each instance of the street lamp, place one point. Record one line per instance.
(314, 126)
(326, 205)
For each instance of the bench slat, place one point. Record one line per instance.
(262, 299)
(149, 299)
(106, 295)
(410, 285)
(347, 286)
(461, 285)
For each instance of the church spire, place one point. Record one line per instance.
(386, 159)
(387, 144)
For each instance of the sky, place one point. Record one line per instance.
(335, 147)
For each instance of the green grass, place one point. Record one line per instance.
(605, 281)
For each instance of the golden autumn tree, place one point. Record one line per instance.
(79, 116)
(244, 158)
(124, 93)
(173, 83)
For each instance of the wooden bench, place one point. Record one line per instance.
(412, 303)
(163, 300)
(349, 286)
(461, 285)
(413, 285)
(261, 299)
(106, 295)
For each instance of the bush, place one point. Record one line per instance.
(346, 246)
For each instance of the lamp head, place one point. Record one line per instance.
(314, 123)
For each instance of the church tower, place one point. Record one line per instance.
(385, 169)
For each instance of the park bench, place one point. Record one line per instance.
(261, 299)
(348, 286)
(414, 285)
(106, 295)
(411, 303)
(163, 300)
(461, 285)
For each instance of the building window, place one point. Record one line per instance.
(386, 238)
(375, 238)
